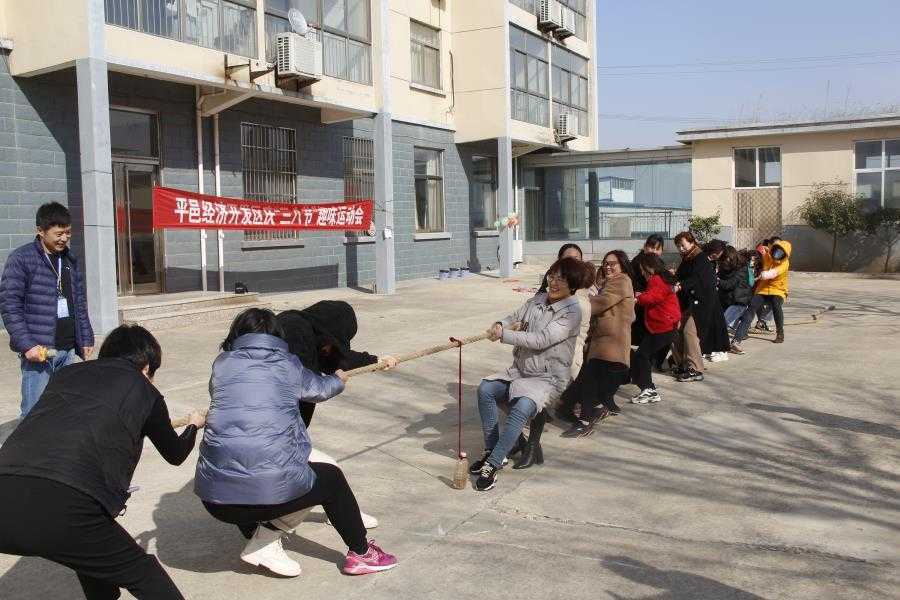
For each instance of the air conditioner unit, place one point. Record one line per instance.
(298, 56)
(566, 127)
(548, 15)
(566, 27)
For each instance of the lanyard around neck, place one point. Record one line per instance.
(56, 271)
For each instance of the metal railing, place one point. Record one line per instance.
(269, 163)
(639, 224)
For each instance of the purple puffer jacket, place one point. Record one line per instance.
(28, 299)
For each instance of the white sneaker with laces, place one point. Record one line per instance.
(646, 396)
(718, 357)
(265, 550)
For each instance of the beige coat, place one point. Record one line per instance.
(542, 357)
(584, 303)
(612, 310)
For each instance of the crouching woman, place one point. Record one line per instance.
(543, 332)
(254, 469)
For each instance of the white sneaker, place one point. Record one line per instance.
(369, 522)
(718, 357)
(264, 550)
(646, 396)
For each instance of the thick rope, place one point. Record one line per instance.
(459, 450)
(382, 365)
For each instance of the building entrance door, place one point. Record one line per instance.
(138, 246)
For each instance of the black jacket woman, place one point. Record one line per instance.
(735, 290)
(65, 472)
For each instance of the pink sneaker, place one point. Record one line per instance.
(375, 559)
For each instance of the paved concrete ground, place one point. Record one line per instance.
(777, 477)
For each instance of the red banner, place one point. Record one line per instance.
(174, 208)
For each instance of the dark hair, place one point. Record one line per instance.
(134, 344)
(573, 271)
(52, 214)
(655, 266)
(253, 320)
(746, 255)
(564, 247)
(730, 259)
(713, 246)
(685, 235)
(624, 263)
(654, 241)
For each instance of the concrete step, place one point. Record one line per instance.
(136, 308)
(222, 314)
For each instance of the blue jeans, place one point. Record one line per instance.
(36, 375)
(733, 313)
(490, 394)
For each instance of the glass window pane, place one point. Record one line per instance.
(517, 38)
(335, 55)
(201, 22)
(557, 82)
(358, 18)
(160, 17)
(536, 46)
(745, 167)
(133, 133)
(532, 74)
(359, 68)
(239, 29)
(769, 166)
(309, 8)
(333, 14)
(424, 34)
(542, 78)
(892, 189)
(519, 78)
(426, 162)
(892, 153)
(868, 155)
(868, 185)
(519, 105)
(274, 26)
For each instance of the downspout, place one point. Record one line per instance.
(220, 235)
(199, 102)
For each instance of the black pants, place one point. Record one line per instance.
(330, 490)
(51, 520)
(306, 412)
(598, 379)
(641, 374)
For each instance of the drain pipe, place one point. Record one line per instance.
(220, 235)
(199, 103)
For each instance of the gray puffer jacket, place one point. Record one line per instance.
(255, 449)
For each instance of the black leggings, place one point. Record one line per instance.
(641, 374)
(330, 490)
(597, 379)
(742, 327)
(51, 520)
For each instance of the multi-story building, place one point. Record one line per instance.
(423, 105)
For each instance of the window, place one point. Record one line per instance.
(133, 134)
(342, 25)
(570, 86)
(483, 187)
(529, 80)
(575, 13)
(269, 164)
(228, 25)
(877, 172)
(425, 50)
(429, 182)
(757, 167)
(359, 169)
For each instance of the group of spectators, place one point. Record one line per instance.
(588, 331)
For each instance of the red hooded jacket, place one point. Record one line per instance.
(661, 310)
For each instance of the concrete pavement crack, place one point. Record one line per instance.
(798, 550)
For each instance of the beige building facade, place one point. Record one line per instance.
(423, 105)
(755, 177)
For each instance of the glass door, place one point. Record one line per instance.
(138, 247)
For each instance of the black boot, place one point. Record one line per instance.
(519, 447)
(533, 454)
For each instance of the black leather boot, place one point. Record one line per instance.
(519, 447)
(532, 454)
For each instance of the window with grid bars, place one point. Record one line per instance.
(529, 93)
(425, 49)
(269, 164)
(570, 86)
(359, 169)
(877, 172)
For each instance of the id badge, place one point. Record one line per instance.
(62, 308)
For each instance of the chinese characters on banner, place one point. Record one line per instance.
(174, 208)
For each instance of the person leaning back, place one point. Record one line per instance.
(43, 303)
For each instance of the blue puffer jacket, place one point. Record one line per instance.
(255, 449)
(28, 299)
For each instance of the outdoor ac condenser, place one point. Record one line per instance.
(567, 126)
(548, 14)
(298, 56)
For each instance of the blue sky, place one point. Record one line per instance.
(644, 106)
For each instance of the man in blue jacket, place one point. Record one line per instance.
(43, 303)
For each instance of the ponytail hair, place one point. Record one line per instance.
(655, 266)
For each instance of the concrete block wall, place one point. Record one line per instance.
(39, 156)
